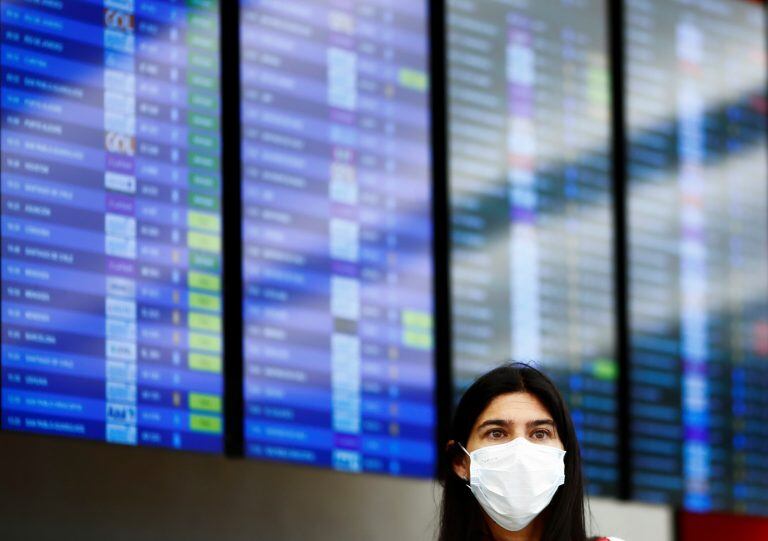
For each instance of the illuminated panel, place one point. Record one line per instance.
(339, 368)
(698, 238)
(530, 182)
(111, 302)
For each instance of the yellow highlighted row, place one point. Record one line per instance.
(201, 280)
(201, 241)
(204, 362)
(205, 423)
(205, 342)
(205, 322)
(204, 402)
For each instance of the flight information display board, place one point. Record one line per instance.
(698, 243)
(530, 183)
(337, 235)
(111, 302)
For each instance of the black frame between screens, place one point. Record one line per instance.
(619, 144)
(232, 267)
(441, 227)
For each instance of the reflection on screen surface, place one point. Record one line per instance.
(530, 174)
(698, 236)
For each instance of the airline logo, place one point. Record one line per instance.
(119, 143)
(118, 20)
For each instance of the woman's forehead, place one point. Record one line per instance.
(517, 408)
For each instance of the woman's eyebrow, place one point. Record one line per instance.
(494, 422)
(507, 423)
(541, 422)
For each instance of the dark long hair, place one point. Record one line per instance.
(461, 518)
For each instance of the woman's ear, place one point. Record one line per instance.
(459, 460)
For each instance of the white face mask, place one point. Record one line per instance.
(513, 482)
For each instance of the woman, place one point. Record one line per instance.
(514, 468)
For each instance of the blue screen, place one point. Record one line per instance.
(110, 221)
(531, 220)
(336, 191)
(698, 245)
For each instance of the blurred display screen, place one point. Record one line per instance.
(337, 235)
(530, 183)
(111, 326)
(698, 236)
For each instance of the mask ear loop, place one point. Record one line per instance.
(467, 481)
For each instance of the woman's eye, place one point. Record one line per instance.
(496, 434)
(541, 435)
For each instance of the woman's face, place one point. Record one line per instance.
(510, 416)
